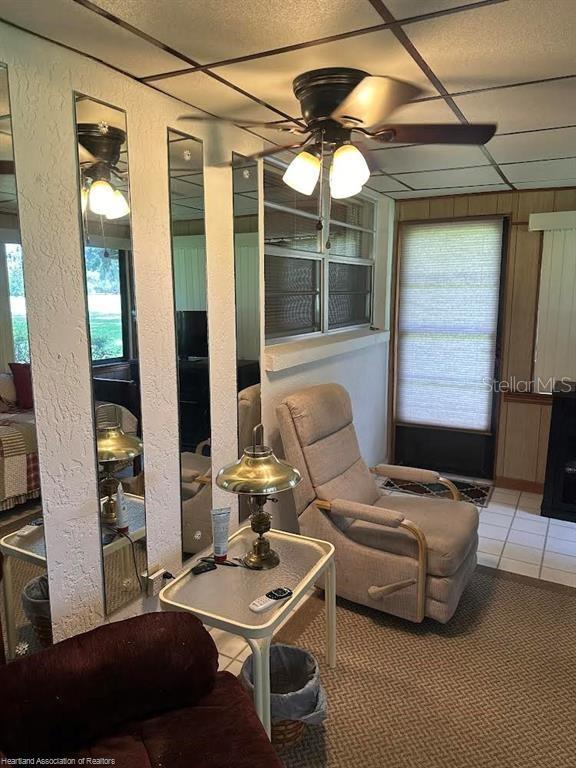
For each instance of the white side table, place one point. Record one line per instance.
(32, 549)
(220, 598)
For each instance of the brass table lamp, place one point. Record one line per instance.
(257, 474)
(116, 450)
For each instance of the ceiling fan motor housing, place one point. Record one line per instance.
(104, 145)
(319, 92)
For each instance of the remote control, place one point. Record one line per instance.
(265, 602)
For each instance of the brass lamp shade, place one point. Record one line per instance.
(116, 450)
(115, 445)
(258, 472)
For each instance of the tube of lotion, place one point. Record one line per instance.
(220, 525)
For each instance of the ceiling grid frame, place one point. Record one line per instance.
(397, 25)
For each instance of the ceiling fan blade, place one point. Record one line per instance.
(372, 100)
(440, 133)
(7, 168)
(272, 151)
(84, 156)
(279, 125)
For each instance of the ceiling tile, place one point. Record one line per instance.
(428, 158)
(90, 111)
(405, 9)
(539, 145)
(6, 152)
(455, 178)
(451, 191)
(208, 32)
(205, 93)
(271, 78)
(7, 185)
(547, 170)
(384, 184)
(64, 21)
(523, 108)
(185, 154)
(564, 184)
(510, 42)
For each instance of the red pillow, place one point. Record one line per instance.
(23, 383)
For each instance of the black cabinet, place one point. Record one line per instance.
(560, 486)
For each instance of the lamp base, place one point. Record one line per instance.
(261, 557)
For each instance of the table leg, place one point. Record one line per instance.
(330, 600)
(8, 594)
(261, 673)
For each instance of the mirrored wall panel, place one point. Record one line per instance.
(247, 274)
(112, 325)
(185, 159)
(26, 619)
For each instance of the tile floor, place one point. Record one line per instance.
(513, 537)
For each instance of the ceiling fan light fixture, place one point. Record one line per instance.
(303, 173)
(84, 199)
(348, 164)
(100, 197)
(338, 191)
(119, 206)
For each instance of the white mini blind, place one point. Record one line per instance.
(555, 356)
(447, 324)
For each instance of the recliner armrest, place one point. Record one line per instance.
(413, 474)
(366, 512)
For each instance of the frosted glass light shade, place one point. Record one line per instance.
(119, 206)
(303, 172)
(84, 199)
(100, 197)
(343, 189)
(349, 171)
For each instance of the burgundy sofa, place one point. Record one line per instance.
(145, 692)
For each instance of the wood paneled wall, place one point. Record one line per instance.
(524, 421)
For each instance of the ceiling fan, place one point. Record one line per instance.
(339, 102)
(99, 146)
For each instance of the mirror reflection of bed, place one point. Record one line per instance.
(20, 502)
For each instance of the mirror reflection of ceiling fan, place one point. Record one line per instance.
(99, 146)
(338, 104)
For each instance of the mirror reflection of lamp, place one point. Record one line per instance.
(116, 450)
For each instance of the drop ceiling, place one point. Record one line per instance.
(512, 62)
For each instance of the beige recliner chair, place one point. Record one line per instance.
(406, 555)
(196, 478)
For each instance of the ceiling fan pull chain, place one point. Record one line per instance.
(320, 222)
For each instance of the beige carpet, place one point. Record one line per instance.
(494, 688)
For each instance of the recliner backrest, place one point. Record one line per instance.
(319, 438)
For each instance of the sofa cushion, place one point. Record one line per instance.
(450, 528)
(222, 729)
(90, 684)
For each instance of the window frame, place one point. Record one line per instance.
(323, 256)
(128, 319)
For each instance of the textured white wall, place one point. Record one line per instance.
(363, 372)
(43, 78)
